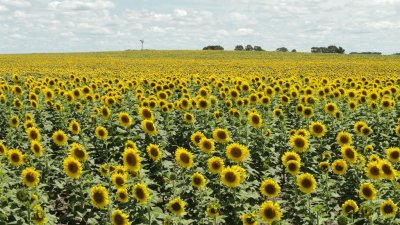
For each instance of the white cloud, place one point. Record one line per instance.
(3, 8)
(81, 5)
(16, 3)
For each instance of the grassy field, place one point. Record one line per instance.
(199, 137)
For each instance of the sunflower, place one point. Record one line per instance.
(15, 157)
(397, 131)
(277, 112)
(154, 152)
(366, 131)
(270, 212)
(221, 135)
(101, 132)
(215, 164)
(331, 108)
(339, 167)
(119, 218)
(176, 206)
(207, 145)
(308, 112)
(141, 192)
(13, 121)
(302, 132)
(60, 138)
(189, 118)
(317, 129)
(349, 154)
(146, 113)
(33, 134)
(249, 219)
(299, 143)
(349, 207)
(3, 149)
(290, 156)
(131, 159)
(213, 210)
(72, 167)
(184, 158)
(198, 180)
(149, 127)
(393, 154)
(237, 152)
(388, 172)
(103, 169)
(368, 148)
(373, 171)
(388, 209)
(307, 183)
(122, 195)
(230, 177)
(368, 191)
(105, 112)
(196, 138)
(119, 180)
(30, 177)
(324, 166)
(374, 158)
(99, 196)
(270, 188)
(74, 127)
(39, 217)
(344, 138)
(254, 119)
(124, 119)
(293, 167)
(78, 152)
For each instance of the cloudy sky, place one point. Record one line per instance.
(97, 25)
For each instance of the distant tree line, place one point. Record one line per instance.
(248, 48)
(329, 49)
(396, 53)
(213, 47)
(366, 53)
(284, 49)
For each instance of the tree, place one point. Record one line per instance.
(282, 49)
(213, 47)
(329, 49)
(239, 48)
(294, 50)
(249, 48)
(258, 48)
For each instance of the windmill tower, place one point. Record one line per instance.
(142, 41)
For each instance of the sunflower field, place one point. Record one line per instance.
(199, 137)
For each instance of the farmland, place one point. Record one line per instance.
(199, 137)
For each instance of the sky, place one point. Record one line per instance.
(105, 25)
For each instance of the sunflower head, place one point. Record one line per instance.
(317, 129)
(131, 159)
(154, 152)
(349, 207)
(307, 183)
(119, 218)
(270, 212)
(184, 158)
(122, 195)
(213, 210)
(221, 135)
(60, 138)
(293, 167)
(197, 180)
(72, 167)
(99, 196)
(368, 191)
(254, 119)
(149, 127)
(124, 119)
(299, 143)
(176, 206)
(249, 218)
(237, 152)
(15, 157)
(30, 177)
(270, 188)
(344, 138)
(74, 127)
(215, 164)
(388, 209)
(141, 192)
(230, 177)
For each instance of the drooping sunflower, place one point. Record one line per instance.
(124, 119)
(189, 118)
(176, 206)
(37, 148)
(197, 180)
(72, 167)
(349, 154)
(15, 157)
(221, 135)
(119, 218)
(99, 196)
(149, 127)
(249, 219)
(237, 152)
(373, 171)
(196, 137)
(254, 119)
(122, 195)
(317, 129)
(307, 183)
(230, 177)
(30, 177)
(101, 133)
(74, 127)
(215, 164)
(388, 171)
(213, 210)
(299, 143)
(388, 209)
(154, 152)
(368, 191)
(393, 154)
(349, 207)
(184, 158)
(290, 155)
(141, 192)
(78, 152)
(33, 134)
(270, 188)
(344, 138)
(207, 145)
(131, 159)
(60, 138)
(270, 212)
(293, 167)
(339, 167)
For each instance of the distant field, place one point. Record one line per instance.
(199, 137)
